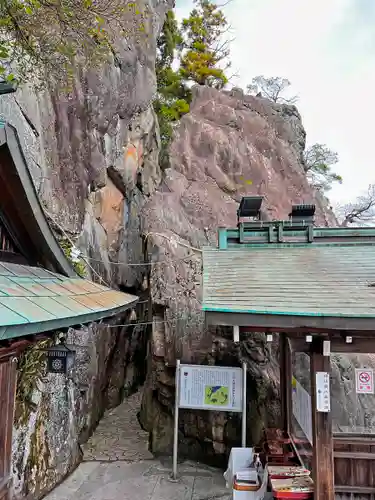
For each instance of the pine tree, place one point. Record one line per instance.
(172, 97)
(319, 160)
(203, 49)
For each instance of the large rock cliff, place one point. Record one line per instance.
(93, 155)
(228, 146)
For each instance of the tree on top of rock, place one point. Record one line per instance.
(203, 59)
(170, 85)
(172, 96)
(360, 212)
(272, 88)
(42, 39)
(319, 160)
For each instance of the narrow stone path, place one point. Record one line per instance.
(118, 466)
(119, 435)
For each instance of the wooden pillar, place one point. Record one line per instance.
(285, 382)
(323, 465)
(8, 375)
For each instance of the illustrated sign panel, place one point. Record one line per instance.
(211, 388)
(301, 407)
(364, 381)
(323, 396)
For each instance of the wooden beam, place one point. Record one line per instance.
(358, 345)
(290, 323)
(4, 376)
(323, 464)
(357, 455)
(354, 439)
(9, 415)
(8, 371)
(363, 490)
(285, 382)
(14, 349)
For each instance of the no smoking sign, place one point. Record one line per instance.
(364, 381)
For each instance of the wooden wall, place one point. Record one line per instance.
(354, 458)
(8, 370)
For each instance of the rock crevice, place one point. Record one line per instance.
(228, 146)
(93, 155)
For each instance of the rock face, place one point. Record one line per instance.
(93, 155)
(55, 413)
(228, 146)
(351, 412)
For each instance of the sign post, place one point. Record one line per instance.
(244, 374)
(175, 430)
(203, 387)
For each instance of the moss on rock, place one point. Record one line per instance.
(31, 370)
(37, 468)
(79, 267)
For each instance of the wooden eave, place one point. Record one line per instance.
(20, 204)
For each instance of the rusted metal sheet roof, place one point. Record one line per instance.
(309, 280)
(34, 300)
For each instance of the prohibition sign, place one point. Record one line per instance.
(364, 377)
(364, 381)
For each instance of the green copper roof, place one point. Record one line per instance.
(33, 300)
(310, 280)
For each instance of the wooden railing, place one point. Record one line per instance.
(354, 457)
(354, 462)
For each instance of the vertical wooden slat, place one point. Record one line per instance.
(3, 419)
(8, 373)
(285, 382)
(323, 466)
(12, 379)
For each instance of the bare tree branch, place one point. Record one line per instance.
(272, 88)
(360, 212)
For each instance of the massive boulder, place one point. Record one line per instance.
(228, 146)
(93, 156)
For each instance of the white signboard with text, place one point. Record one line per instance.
(323, 396)
(211, 388)
(364, 381)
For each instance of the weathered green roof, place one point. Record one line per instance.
(33, 300)
(307, 280)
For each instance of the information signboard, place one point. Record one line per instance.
(205, 387)
(211, 388)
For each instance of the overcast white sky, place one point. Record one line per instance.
(326, 48)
